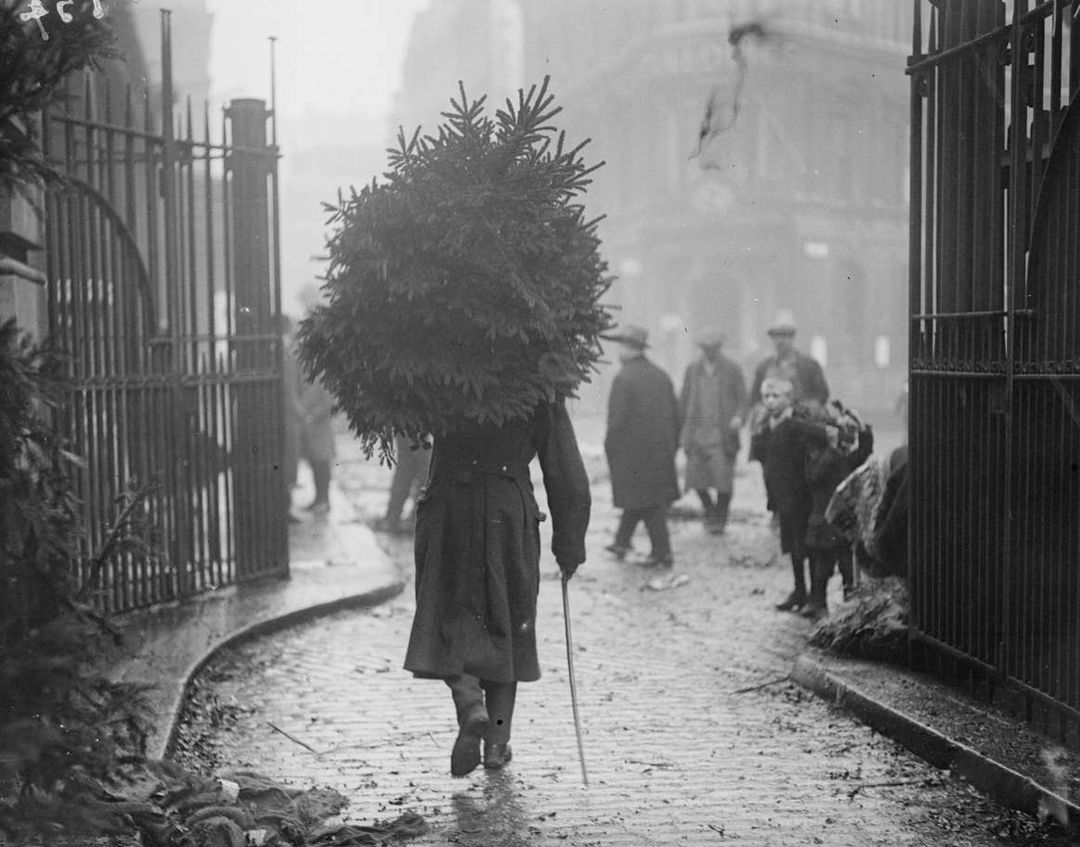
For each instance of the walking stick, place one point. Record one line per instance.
(573, 684)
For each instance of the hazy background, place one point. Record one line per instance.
(797, 203)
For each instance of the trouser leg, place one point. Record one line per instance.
(847, 570)
(468, 695)
(472, 720)
(320, 471)
(499, 698)
(628, 522)
(798, 572)
(723, 502)
(706, 501)
(400, 485)
(797, 597)
(822, 565)
(656, 524)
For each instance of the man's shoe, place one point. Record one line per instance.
(655, 561)
(795, 600)
(814, 610)
(619, 551)
(465, 757)
(497, 755)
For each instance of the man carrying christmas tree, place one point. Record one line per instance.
(473, 326)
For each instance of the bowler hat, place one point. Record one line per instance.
(635, 336)
(784, 324)
(709, 338)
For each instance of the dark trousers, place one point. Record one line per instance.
(823, 563)
(497, 698)
(655, 518)
(321, 473)
(714, 509)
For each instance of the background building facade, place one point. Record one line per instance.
(799, 202)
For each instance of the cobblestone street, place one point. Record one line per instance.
(693, 734)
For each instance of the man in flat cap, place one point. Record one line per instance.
(786, 365)
(642, 437)
(802, 371)
(713, 404)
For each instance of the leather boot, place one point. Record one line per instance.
(797, 597)
(500, 697)
(473, 722)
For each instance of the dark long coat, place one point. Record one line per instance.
(478, 545)
(642, 436)
(782, 453)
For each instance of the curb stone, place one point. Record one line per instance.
(992, 778)
(259, 628)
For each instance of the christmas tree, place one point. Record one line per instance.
(465, 287)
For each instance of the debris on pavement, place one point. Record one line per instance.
(665, 583)
(170, 806)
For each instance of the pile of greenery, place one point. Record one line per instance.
(872, 624)
(465, 287)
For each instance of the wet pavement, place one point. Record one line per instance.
(694, 733)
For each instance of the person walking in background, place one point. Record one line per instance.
(316, 406)
(291, 421)
(642, 438)
(410, 473)
(802, 371)
(712, 404)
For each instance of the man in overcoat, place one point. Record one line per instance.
(477, 558)
(642, 437)
(713, 404)
(316, 410)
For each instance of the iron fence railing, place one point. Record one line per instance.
(995, 444)
(164, 294)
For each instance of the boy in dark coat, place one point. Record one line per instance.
(779, 445)
(477, 567)
(642, 437)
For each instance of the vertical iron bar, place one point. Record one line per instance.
(208, 188)
(226, 219)
(1017, 212)
(932, 190)
(915, 277)
(281, 502)
(191, 357)
(1038, 138)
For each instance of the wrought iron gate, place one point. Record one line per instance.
(995, 345)
(164, 293)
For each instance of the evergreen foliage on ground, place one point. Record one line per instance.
(871, 625)
(466, 286)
